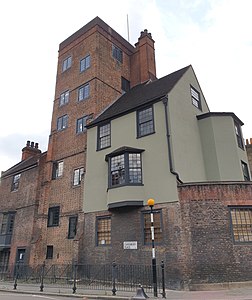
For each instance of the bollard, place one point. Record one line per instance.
(163, 280)
(74, 279)
(113, 278)
(42, 277)
(140, 293)
(16, 276)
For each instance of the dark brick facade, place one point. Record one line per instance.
(197, 245)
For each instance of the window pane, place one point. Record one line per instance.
(241, 223)
(117, 169)
(104, 231)
(104, 136)
(145, 122)
(72, 227)
(195, 98)
(135, 170)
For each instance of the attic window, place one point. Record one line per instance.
(15, 182)
(195, 98)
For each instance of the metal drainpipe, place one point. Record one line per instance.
(165, 102)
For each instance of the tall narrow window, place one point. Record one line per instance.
(104, 136)
(241, 218)
(15, 182)
(62, 122)
(85, 63)
(57, 169)
(67, 63)
(72, 227)
(245, 171)
(78, 174)
(64, 98)
(195, 98)
(145, 121)
(157, 226)
(103, 231)
(117, 53)
(238, 133)
(53, 216)
(83, 92)
(49, 252)
(7, 223)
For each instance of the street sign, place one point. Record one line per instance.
(130, 245)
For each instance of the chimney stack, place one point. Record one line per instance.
(143, 65)
(31, 149)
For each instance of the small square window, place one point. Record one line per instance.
(15, 182)
(158, 235)
(78, 175)
(49, 252)
(64, 98)
(67, 63)
(62, 122)
(57, 170)
(72, 227)
(104, 136)
(195, 98)
(83, 92)
(103, 231)
(117, 53)
(145, 122)
(85, 63)
(53, 216)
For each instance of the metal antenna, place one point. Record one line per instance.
(128, 27)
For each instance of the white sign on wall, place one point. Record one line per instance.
(130, 245)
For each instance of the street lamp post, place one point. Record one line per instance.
(154, 264)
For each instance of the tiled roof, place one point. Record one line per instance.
(140, 95)
(21, 166)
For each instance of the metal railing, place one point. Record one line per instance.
(114, 277)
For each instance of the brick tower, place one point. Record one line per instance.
(95, 67)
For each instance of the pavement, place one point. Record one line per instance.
(237, 292)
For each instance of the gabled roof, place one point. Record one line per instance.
(140, 95)
(23, 165)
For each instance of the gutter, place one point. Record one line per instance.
(165, 102)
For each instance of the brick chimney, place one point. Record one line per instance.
(31, 149)
(143, 65)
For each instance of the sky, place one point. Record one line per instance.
(214, 36)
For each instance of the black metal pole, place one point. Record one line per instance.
(163, 280)
(74, 279)
(154, 264)
(16, 275)
(42, 277)
(113, 278)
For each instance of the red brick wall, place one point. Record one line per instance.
(213, 256)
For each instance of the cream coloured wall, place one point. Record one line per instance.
(158, 182)
(185, 135)
(222, 155)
